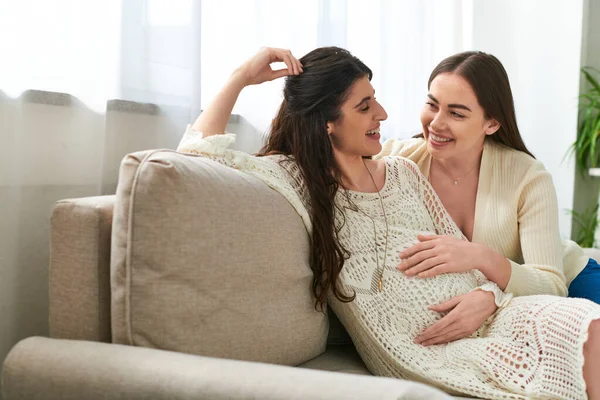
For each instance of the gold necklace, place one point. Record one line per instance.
(380, 283)
(460, 177)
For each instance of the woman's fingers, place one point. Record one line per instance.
(418, 258)
(297, 65)
(280, 73)
(258, 69)
(421, 261)
(442, 268)
(440, 328)
(425, 238)
(436, 329)
(287, 59)
(447, 305)
(445, 337)
(292, 63)
(424, 266)
(448, 323)
(415, 249)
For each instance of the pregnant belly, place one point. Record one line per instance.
(402, 306)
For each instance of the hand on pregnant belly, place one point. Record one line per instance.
(466, 313)
(435, 254)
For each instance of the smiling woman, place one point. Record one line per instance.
(357, 132)
(500, 197)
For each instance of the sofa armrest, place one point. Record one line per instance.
(80, 232)
(42, 368)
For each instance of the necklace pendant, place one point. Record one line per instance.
(380, 284)
(456, 182)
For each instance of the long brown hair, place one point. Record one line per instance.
(489, 81)
(310, 101)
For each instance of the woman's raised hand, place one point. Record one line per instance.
(258, 68)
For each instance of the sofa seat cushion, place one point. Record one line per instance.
(344, 358)
(210, 261)
(338, 358)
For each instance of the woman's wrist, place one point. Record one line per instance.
(238, 79)
(494, 266)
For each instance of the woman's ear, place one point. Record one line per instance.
(330, 128)
(492, 127)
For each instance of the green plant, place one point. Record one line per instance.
(587, 146)
(587, 222)
(586, 150)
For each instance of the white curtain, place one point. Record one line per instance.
(400, 40)
(84, 82)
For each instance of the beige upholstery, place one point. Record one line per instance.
(79, 269)
(50, 369)
(207, 260)
(342, 358)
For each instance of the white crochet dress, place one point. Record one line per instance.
(532, 347)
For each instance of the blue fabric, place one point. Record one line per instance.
(587, 284)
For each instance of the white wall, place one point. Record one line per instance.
(539, 43)
(401, 41)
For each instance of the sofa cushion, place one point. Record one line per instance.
(210, 261)
(338, 358)
(50, 369)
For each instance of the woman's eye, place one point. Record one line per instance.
(430, 104)
(365, 109)
(455, 114)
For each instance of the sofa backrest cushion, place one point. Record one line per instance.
(210, 261)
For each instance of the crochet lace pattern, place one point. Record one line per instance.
(532, 347)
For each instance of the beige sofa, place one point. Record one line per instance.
(191, 282)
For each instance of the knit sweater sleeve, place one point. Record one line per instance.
(444, 225)
(286, 181)
(542, 268)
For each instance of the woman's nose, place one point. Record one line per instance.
(437, 122)
(381, 115)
